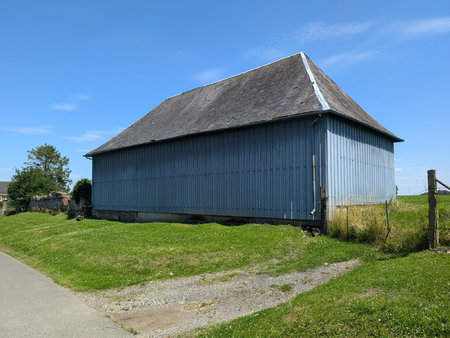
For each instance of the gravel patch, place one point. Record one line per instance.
(169, 307)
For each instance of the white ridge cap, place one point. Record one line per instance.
(319, 95)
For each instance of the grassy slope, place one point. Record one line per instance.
(407, 296)
(387, 295)
(96, 254)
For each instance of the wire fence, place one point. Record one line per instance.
(443, 206)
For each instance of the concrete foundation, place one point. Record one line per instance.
(134, 216)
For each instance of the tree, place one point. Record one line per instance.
(82, 191)
(54, 166)
(26, 184)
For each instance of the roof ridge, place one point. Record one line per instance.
(317, 91)
(277, 90)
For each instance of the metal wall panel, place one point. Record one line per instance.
(360, 164)
(259, 171)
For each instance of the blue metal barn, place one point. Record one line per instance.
(273, 144)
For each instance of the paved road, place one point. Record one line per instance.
(32, 305)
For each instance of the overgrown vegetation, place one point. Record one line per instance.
(408, 219)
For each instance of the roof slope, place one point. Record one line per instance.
(341, 103)
(4, 187)
(288, 87)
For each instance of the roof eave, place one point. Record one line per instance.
(390, 135)
(329, 111)
(94, 152)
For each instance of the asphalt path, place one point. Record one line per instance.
(32, 305)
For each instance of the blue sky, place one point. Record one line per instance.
(73, 74)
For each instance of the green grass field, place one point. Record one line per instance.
(96, 254)
(393, 292)
(406, 296)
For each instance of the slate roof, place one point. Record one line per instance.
(289, 87)
(4, 187)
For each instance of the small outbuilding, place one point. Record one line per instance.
(279, 143)
(3, 196)
(4, 190)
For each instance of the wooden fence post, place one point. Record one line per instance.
(433, 236)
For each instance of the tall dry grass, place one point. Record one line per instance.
(367, 224)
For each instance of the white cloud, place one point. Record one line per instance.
(28, 130)
(87, 136)
(82, 97)
(64, 106)
(375, 32)
(419, 28)
(72, 104)
(317, 31)
(210, 75)
(398, 169)
(266, 54)
(94, 135)
(347, 59)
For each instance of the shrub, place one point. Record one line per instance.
(82, 191)
(26, 184)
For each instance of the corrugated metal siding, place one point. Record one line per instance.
(259, 171)
(360, 164)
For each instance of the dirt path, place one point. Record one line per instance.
(169, 307)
